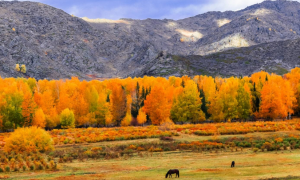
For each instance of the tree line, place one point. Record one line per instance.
(152, 100)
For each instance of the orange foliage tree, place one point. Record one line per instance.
(118, 103)
(157, 105)
(39, 118)
(142, 117)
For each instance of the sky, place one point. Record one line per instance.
(143, 9)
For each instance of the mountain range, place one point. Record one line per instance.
(53, 44)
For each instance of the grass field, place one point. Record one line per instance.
(262, 165)
(192, 165)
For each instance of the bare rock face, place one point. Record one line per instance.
(53, 44)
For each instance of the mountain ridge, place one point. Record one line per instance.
(53, 44)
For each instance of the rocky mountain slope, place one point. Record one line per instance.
(54, 44)
(274, 57)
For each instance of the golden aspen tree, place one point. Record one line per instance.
(103, 109)
(216, 107)
(47, 102)
(52, 120)
(17, 68)
(128, 118)
(32, 84)
(293, 78)
(243, 103)
(39, 119)
(80, 108)
(118, 103)
(23, 68)
(187, 107)
(28, 106)
(67, 119)
(288, 98)
(142, 117)
(108, 119)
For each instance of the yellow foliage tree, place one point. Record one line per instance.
(127, 120)
(142, 117)
(17, 68)
(67, 119)
(108, 119)
(187, 107)
(23, 68)
(39, 118)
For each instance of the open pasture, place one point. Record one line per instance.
(206, 162)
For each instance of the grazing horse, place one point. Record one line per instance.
(232, 164)
(172, 171)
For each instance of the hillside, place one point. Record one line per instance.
(274, 57)
(53, 44)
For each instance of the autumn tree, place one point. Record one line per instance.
(142, 117)
(39, 118)
(80, 107)
(23, 68)
(128, 118)
(17, 68)
(216, 107)
(157, 105)
(103, 109)
(118, 103)
(271, 105)
(67, 119)
(288, 98)
(12, 116)
(294, 80)
(243, 103)
(28, 105)
(187, 107)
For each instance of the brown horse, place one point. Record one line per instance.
(172, 171)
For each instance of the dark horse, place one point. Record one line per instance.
(232, 164)
(172, 171)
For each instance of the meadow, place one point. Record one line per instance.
(149, 152)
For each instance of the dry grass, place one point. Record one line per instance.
(191, 166)
(207, 165)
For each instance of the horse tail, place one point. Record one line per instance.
(178, 174)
